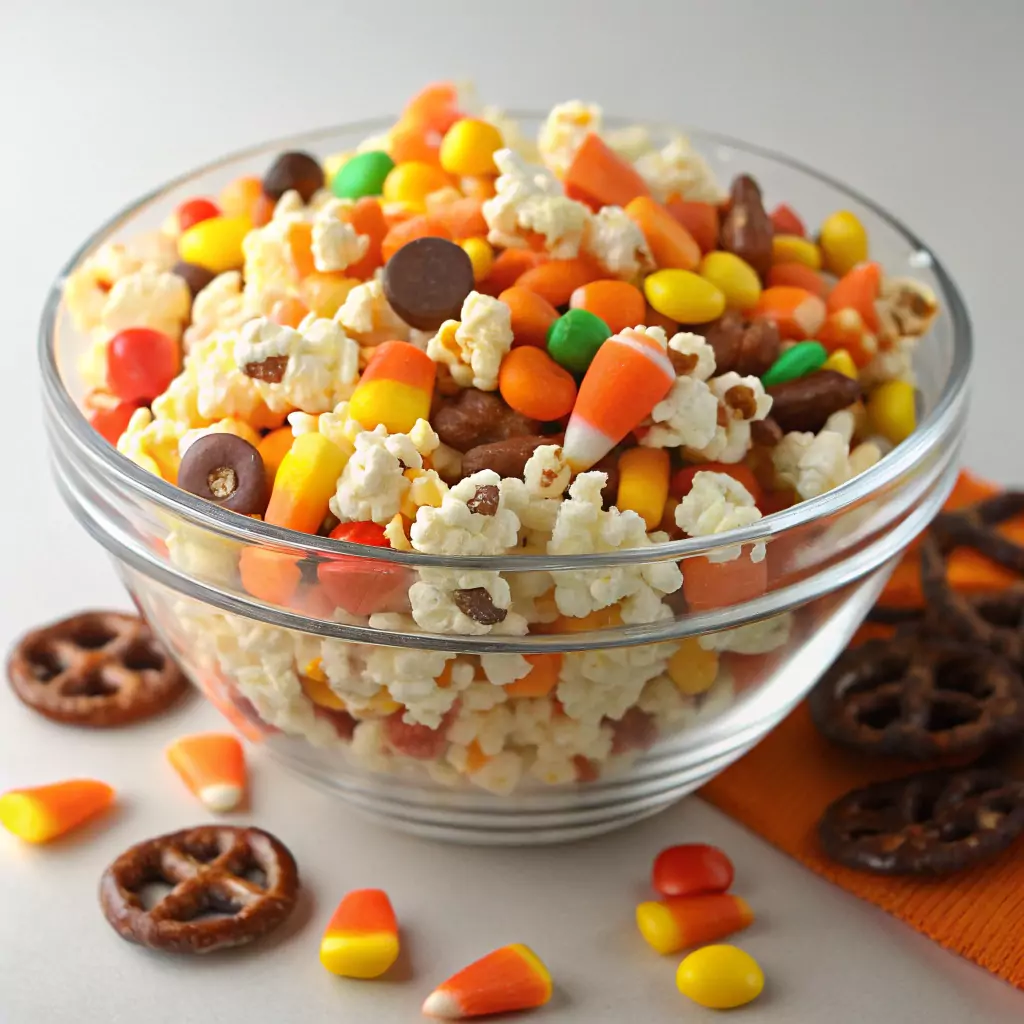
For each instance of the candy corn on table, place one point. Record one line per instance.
(103, 103)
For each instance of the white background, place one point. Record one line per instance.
(916, 104)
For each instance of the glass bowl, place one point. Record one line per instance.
(622, 711)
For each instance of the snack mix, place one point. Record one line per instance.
(458, 342)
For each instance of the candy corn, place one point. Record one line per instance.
(40, 814)
(212, 765)
(361, 939)
(305, 483)
(510, 978)
(627, 378)
(395, 389)
(679, 921)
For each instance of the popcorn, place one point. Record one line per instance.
(153, 443)
(474, 347)
(410, 677)
(337, 426)
(753, 638)
(220, 306)
(613, 239)
(455, 529)
(529, 199)
(741, 400)
(471, 603)
(311, 369)
(546, 473)
(567, 125)
(336, 243)
(693, 353)
(268, 271)
(812, 464)
(219, 387)
(373, 483)
(147, 298)
(714, 504)
(607, 683)
(678, 168)
(686, 416)
(366, 315)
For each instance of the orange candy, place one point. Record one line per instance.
(272, 576)
(699, 219)
(618, 303)
(678, 922)
(535, 385)
(509, 266)
(367, 217)
(796, 275)
(409, 141)
(556, 280)
(598, 173)
(532, 315)
(672, 246)
(42, 813)
(846, 329)
(289, 312)
(435, 107)
(858, 289)
(273, 448)
(361, 938)
(419, 226)
(708, 585)
(796, 312)
(786, 222)
(238, 198)
(300, 248)
(212, 765)
(541, 679)
(652, 318)
(463, 218)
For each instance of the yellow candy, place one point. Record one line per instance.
(891, 411)
(480, 254)
(842, 362)
(794, 249)
(306, 480)
(720, 977)
(468, 148)
(320, 693)
(215, 243)
(643, 483)
(411, 182)
(334, 163)
(843, 241)
(734, 277)
(325, 292)
(684, 296)
(693, 669)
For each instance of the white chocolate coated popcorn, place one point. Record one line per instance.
(678, 168)
(615, 242)
(564, 130)
(474, 346)
(336, 243)
(367, 316)
(454, 529)
(714, 504)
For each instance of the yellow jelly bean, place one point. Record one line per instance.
(720, 977)
(692, 668)
(411, 182)
(480, 254)
(843, 241)
(643, 483)
(795, 249)
(468, 148)
(684, 296)
(891, 411)
(734, 277)
(842, 362)
(215, 243)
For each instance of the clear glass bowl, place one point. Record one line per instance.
(622, 740)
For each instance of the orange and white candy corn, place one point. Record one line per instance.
(510, 978)
(628, 377)
(42, 813)
(361, 939)
(212, 765)
(395, 388)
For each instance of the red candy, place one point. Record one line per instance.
(363, 586)
(112, 422)
(192, 211)
(141, 363)
(691, 869)
(786, 222)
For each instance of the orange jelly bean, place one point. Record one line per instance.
(796, 275)
(556, 280)
(535, 385)
(532, 315)
(238, 198)
(618, 303)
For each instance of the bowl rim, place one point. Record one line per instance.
(193, 509)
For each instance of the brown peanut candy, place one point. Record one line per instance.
(506, 458)
(476, 604)
(807, 402)
(747, 229)
(766, 432)
(474, 418)
(749, 348)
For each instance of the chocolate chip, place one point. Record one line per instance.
(427, 281)
(807, 402)
(293, 171)
(484, 501)
(473, 418)
(226, 470)
(195, 276)
(476, 604)
(271, 370)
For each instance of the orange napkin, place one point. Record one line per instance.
(781, 788)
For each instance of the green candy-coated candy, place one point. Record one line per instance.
(803, 358)
(363, 175)
(575, 337)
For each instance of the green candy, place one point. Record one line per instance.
(575, 337)
(803, 358)
(363, 175)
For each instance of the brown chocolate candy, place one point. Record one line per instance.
(293, 171)
(485, 501)
(766, 432)
(244, 875)
(195, 276)
(476, 604)
(472, 418)
(807, 402)
(96, 669)
(919, 696)
(506, 458)
(226, 470)
(747, 229)
(931, 823)
(427, 281)
(749, 348)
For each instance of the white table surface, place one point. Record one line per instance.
(917, 104)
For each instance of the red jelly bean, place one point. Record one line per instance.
(192, 211)
(141, 363)
(111, 423)
(690, 869)
(363, 586)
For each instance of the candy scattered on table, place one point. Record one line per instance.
(510, 978)
(690, 869)
(720, 977)
(42, 813)
(361, 939)
(212, 765)
(679, 922)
